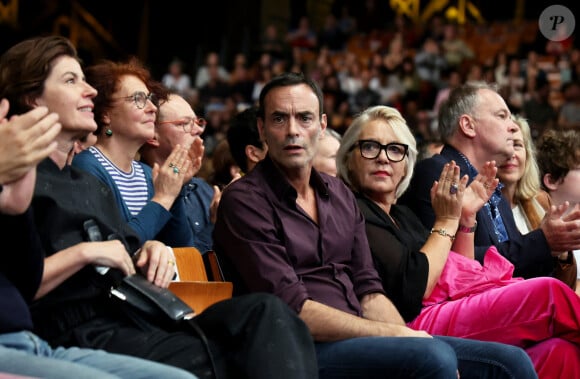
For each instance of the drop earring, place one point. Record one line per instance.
(109, 132)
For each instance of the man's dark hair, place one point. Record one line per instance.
(243, 131)
(285, 80)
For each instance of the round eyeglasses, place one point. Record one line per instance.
(187, 123)
(370, 149)
(140, 99)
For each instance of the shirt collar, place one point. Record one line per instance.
(471, 170)
(283, 189)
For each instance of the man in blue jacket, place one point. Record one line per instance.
(476, 126)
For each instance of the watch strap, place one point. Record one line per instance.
(467, 229)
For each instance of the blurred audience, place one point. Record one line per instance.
(412, 68)
(302, 36)
(537, 109)
(212, 61)
(455, 49)
(272, 42)
(569, 115)
(176, 79)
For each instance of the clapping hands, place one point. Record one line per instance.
(168, 179)
(447, 193)
(479, 192)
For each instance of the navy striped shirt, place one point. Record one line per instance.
(131, 185)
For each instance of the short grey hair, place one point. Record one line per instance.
(399, 126)
(461, 101)
(332, 133)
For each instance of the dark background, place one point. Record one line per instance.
(158, 30)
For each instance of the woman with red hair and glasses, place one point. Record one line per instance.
(125, 112)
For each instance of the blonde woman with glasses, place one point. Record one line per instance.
(431, 274)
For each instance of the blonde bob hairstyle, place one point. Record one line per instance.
(529, 184)
(398, 125)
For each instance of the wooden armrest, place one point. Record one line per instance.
(212, 266)
(200, 295)
(190, 264)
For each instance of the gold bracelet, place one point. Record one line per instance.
(443, 232)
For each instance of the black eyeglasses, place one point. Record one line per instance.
(140, 99)
(370, 149)
(187, 123)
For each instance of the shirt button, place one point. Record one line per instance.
(196, 223)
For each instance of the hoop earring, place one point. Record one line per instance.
(109, 132)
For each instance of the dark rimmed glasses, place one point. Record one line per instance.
(187, 123)
(140, 99)
(370, 149)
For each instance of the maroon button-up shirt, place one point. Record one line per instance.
(277, 248)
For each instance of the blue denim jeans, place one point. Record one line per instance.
(479, 359)
(408, 357)
(24, 353)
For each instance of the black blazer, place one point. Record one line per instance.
(529, 253)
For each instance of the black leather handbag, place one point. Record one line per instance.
(153, 301)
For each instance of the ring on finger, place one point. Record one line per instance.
(453, 188)
(171, 262)
(175, 169)
(171, 165)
